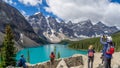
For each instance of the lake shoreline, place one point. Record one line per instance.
(97, 61)
(42, 52)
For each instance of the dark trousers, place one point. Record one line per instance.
(107, 62)
(52, 60)
(90, 62)
(102, 57)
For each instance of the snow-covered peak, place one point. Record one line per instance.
(100, 24)
(47, 16)
(57, 20)
(85, 22)
(50, 27)
(37, 13)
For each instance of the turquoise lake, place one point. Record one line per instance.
(41, 53)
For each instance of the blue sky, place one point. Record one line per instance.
(118, 1)
(107, 11)
(30, 10)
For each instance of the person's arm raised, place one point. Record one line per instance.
(101, 41)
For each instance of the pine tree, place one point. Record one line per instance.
(55, 50)
(8, 50)
(28, 56)
(58, 55)
(0, 59)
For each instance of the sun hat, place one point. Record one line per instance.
(109, 39)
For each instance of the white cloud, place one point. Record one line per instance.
(95, 10)
(47, 9)
(10, 2)
(31, 2)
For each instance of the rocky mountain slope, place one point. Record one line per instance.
(82, 29)
(10, 15)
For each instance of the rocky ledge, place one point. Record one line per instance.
(70, 62)
(78, 61)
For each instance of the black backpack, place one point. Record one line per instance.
(20, 63)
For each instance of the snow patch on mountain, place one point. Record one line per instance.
(55, 30)
(54, 37)
(37, 13)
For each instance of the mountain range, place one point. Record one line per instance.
(53, 30)
(10, 15)
(38, 29)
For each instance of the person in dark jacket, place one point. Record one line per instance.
(90, 56)
(21, 62)
(106, 47)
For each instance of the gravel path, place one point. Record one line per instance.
(115, 60)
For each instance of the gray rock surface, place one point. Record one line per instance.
(74, 61)
(70, 62)
(86, 28)
(10, 15)
(45, 65)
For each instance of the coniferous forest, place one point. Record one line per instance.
(84, 44)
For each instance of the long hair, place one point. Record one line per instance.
(90, 47)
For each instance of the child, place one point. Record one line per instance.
(90, 56)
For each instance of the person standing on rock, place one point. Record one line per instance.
(52, 57)
(103, 40)
(90, 56)
(108, 50)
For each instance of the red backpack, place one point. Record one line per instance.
(91, 54)
(111, 50)
(52, 56)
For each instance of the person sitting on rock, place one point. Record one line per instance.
(90, 56)
(21, 62)
(52, 57)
